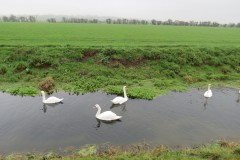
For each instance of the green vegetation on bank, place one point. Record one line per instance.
(215, 151)
(148, 71)
(88, 35)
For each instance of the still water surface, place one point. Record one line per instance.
(173, 119)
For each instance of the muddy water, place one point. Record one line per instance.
(174, 119)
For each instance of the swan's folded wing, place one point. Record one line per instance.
(53, 100)
(108, 116)
(205, 94)
(208, 93)
(117, 100)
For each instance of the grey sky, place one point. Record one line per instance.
(223, 11)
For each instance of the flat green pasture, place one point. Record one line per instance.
(87, 35)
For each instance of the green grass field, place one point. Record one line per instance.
(92, 57)
(86, 35)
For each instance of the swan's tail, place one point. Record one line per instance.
(118, 117)
(113, 102)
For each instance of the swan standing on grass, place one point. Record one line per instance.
(208, 93)
(50, 100)
(107, 115)
(121, 100)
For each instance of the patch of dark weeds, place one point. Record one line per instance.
(88, 53)
(210, 155)
(237, 151)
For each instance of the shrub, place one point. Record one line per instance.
(237, 151)
(194, 59)
(225, 69)
(188, 79)
(3, 69)
(25, 50)
(21, 66)
(73, 54)
(88, 151)
(169, 73)
(109, 51)
(101, 58)
(24, 91)
(47, 84)
(89, 85)
(43, 62)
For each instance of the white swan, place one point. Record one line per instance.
(120, 100)
(50, 100)
(208, 93)
(107, 115)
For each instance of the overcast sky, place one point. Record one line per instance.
(223, 11)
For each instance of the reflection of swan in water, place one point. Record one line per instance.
(50, 100)
(205, 103)
(51, 105)
(238, 97)
(123, 106)
(107, 115)
(106, 122)
(44, 108)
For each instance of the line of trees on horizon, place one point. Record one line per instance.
(13, 18)
(171, 22)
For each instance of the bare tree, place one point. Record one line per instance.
(108, 21)
(12, 18)
(154, 22)
(5, 19)
(32, 19)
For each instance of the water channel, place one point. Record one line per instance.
(173, 119)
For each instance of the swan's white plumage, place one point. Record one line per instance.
(107, 115)
(51, 99)
(121, 100)
(208, 93)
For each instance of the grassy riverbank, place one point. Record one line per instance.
(215, 151)
(151, 60)
(147, 71)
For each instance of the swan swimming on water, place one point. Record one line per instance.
(120, 100)
(208, 93)
(51, 99)
(107, 115)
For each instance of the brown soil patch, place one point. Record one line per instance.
(88, 54)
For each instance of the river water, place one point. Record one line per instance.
(173, 119)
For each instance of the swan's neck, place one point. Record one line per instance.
(98, 111)
(125, 94)
(43, 97)
(209, 87)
